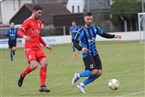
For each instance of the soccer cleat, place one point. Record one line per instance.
(20, 81)
(43, 89)
(74, 55)
(75, 78)
(78, 54)
(81, 88)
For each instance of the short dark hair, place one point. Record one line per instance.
(88, 14)
(74, 21)
(37, 7)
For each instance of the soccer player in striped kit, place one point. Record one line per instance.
(73, 31)
(11, 33)
(87, 36)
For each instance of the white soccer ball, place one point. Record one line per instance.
(113, 84)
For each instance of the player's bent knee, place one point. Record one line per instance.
(33, 65)
(44, 65)
(95, 72)
(99, 72)
(44, 62)
(13, 49)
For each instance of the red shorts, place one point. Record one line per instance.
(34, 54)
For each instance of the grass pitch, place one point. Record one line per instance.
(121, 60)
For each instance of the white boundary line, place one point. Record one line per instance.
(1, 73)
(131, 94)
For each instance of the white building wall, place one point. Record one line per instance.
(10, 7)
(75, 3)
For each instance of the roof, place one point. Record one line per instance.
(47, 16)
(50, 1)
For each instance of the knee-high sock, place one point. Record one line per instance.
(26, 71)
(90, 79)
(43, 74)
(73, 48)
(85, 73)
(11, 55)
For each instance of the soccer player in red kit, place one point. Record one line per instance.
(30, 31)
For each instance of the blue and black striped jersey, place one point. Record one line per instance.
(11, 33)
(72, 28)
(87, 37)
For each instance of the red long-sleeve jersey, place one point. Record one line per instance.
(31, 27)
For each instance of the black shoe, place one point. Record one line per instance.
(20, 81)
(43, 89)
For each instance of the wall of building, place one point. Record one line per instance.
(75, 6)
(10, 7)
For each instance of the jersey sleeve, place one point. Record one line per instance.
(79, 35)
(42, 41)
(25, 25)
(103, 34)
(22, 29)
(99, 31)
(7, 32)
(71, 29)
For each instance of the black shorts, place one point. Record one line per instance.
(11, 44)
(92, 62)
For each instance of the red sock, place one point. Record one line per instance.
(26, 71)
(43, 74)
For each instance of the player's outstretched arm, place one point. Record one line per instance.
(106, 35)
(44, 44)
(49, 47)
(42, 41)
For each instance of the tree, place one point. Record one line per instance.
(126, 10)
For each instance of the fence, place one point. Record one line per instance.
(67, 39)
(44, 32)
